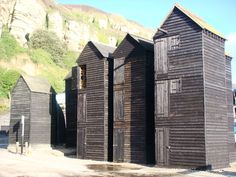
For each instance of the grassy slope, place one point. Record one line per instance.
(15, 60)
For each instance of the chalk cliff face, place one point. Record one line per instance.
(27, 16)
(74, 24)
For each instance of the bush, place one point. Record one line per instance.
(50, 42)
(9, 47)
(8, 79)
(40, 56)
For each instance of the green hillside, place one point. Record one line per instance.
(46, 59)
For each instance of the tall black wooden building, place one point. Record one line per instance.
(192, 80)
(34, 98)
(133, 134)
(94, 102)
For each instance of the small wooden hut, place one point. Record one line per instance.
(94, 102)
(133, 134)
(191, 73)
(33, 98)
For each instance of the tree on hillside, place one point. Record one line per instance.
(50, 42)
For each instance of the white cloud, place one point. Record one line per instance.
(230, 47)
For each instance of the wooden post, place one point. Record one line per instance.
(22, 132)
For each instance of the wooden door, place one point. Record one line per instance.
(161, 62)
(118, 105)
(81, 143)
(118, 145)
(82, 108)
(162, 146)
(161, 99)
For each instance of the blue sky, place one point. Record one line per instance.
(150, 13)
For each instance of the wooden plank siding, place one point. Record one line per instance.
(185, 118)
(40, 119)
(133, 84)
(230, 115)
(20, 105)
(216, 120)
(96, 138)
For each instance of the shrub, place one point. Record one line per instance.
(50, 42)
(8, 79)
(9, 47)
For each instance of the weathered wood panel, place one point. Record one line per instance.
(231, 143)
(216, 120)
(118, 145)
(161, 64)
(162, 140)
(132, 95)
(185, 119)
(97, 105)
(20, 105)
(40, 119)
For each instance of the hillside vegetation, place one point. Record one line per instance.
(43, 38)
(45, 57)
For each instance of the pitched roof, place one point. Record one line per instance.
(201, 23)
(147, 44)
(105, 50)
(37, 84)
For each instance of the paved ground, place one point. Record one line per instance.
(53, 163)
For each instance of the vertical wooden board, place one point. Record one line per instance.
(119, 71)
(162, 97)
(162, 144)
(118, 145)
(81, 143)
(166, 147)
(82, 107)
(161, 61)
(119, 105)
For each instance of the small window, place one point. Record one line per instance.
(174, 42)
(83, 78)
(175, 86)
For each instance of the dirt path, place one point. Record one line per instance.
(53, 163)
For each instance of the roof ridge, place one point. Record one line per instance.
(198, 20)
(145, 39)
(100, 43)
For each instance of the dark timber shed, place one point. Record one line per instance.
(33, 98)
(133, 134)
(192, 81)
(94, 102)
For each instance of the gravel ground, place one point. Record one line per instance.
(47, 163)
